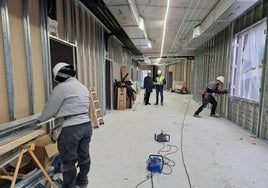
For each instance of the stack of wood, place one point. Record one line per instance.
(125, 94)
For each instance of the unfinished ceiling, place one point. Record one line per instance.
(189, 24)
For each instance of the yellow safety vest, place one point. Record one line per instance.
(160, 79)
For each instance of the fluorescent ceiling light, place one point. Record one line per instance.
(141, 23)
(164, 30)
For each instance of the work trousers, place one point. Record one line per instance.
(207, 98)
(147, 97)
(73, 145)
(159, 90)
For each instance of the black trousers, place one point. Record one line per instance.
(73, 145)
(207, 98)
(147, 97)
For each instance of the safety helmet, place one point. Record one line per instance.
(63, 71)
(57, 67)
(221, 79)
(148, 72)
(159, 72)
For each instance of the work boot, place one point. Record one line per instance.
(197, 115)
(156, 103)
(214, 115)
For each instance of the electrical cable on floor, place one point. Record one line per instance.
(167, 161)
(152, 182)
(182, 154)
(147, 178)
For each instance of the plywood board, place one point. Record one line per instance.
(36, 51)
(20, 141)
(18, 58)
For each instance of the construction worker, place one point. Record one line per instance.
(159, 86)
(148, 86)
(207, 96)
(69, 100)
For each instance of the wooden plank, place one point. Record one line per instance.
(18, 142)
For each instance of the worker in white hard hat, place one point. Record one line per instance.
(148, 86)
(69, 101)
(207, 96)
(160, 81)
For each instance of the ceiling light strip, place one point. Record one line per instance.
(164, 30)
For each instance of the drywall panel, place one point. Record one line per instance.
(4, 117)
(79, 75)
(87, 49)
(18, 58)
(85, 81)
(60, 19)
(36, 51)
(94, 52)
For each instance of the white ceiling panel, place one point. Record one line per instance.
(184, 16)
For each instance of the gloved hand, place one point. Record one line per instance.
(224, 91)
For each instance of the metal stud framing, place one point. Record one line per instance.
(45, 48)
(65, 20)
(8, 60)
(28, 55)
(215, 58)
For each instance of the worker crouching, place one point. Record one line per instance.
(207, 96)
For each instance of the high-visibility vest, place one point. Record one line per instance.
(160, 79)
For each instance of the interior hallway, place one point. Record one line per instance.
(217, 153)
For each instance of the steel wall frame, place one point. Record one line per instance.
(45, 48)
(28, 55)
(247, 114)
(8, 60)
(263, 130)
(213, 58)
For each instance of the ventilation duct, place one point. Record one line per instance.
(128, 17)
(220, 17)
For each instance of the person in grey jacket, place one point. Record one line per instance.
(70, 100)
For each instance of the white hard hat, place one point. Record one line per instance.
(221, 79)
(148, 72)
(58, 67)
(159, 72)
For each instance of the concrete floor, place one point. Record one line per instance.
(216, 152)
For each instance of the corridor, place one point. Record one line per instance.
(214, 152)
